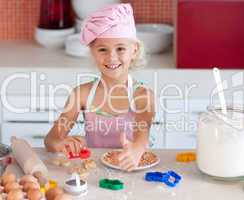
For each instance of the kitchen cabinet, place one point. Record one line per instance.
(157, 136)
(181, 119)
(26, 108)
(214, 40)
(33, 132)
(33, 124)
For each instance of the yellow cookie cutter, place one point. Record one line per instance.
(186, 157)
(47, 186)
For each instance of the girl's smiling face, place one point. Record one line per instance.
(113, 56)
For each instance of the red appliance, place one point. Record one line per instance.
(210, 33)
(56, 14)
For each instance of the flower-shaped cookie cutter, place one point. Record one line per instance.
(112, 184)
(170, 178)
(186, 157)
(84, 153)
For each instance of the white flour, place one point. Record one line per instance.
(220, 147)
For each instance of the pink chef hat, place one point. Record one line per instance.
(114, 21)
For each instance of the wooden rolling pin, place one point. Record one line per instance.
(28, 160)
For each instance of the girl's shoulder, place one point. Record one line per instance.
(85, 87)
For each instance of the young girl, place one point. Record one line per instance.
(117, 110)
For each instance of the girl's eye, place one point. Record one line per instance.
(121, 49)
(102, 50)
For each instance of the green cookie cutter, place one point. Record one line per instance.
(112, 184)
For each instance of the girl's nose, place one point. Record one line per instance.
(112, 55)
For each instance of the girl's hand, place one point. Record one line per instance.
(72, 144)
(130, 157)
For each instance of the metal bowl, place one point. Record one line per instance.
(5, 158)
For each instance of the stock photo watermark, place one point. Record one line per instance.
(182, 94)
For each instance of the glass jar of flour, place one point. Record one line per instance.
(220, 142)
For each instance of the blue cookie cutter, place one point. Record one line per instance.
(170, 178)
(156, 176)
(173, 179)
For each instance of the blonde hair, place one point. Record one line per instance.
(140, 59)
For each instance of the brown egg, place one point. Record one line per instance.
(15, 195)
(53, 192)
(8, 177)
(11, 186)
(63, 197)
(34, 194)
(27, 178)
(30, 185)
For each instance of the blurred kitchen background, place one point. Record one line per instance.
(202, 33)
(19, 18)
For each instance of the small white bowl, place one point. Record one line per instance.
(156, 37)
(52, 38)
(83, 8)
(74, 47)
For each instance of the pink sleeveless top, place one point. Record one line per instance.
(102, 129)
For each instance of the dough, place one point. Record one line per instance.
(62, 162)
(89, 164)
(80, 170)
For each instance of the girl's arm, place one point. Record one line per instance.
(132, 151)
(145, 111)
(57, 138)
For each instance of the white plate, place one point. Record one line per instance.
(118, 167)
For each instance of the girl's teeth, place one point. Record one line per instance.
(112, 66)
